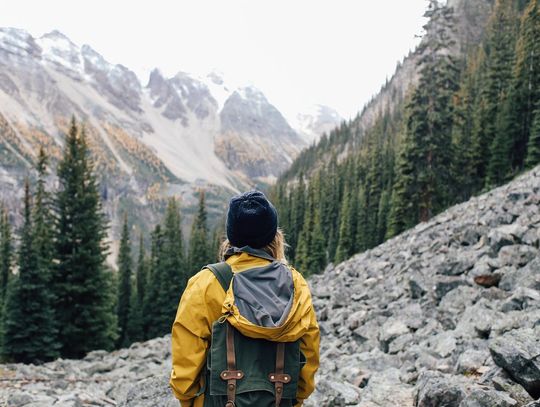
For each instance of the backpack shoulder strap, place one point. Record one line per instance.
(223, 273)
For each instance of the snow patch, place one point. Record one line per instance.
(59, 49)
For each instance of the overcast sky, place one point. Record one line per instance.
(298, 52)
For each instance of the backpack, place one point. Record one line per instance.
(243, 371)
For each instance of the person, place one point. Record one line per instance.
(268, 303)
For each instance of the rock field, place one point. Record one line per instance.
(445, 315)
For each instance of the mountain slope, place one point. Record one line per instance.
(172, 136)
(470, 21)
(437, 315)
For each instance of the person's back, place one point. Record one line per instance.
(245, 332)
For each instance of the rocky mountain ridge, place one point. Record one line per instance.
(445, 314)
(172, 136)
(65, 78)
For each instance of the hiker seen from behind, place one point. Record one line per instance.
(245, 333)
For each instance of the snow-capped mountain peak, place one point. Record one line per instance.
(315, 121)
(73, 79)
(18, 43)
(60, 50)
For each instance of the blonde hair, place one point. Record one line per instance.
(276, 248)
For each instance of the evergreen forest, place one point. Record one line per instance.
(58, 297)
(470, 124)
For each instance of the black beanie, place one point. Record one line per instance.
(251, 220)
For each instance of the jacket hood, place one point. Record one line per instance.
(269, 301)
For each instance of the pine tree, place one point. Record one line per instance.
(361, 238)
(84, 305)
(298, 204)
(423, 176)
(152, 291)
(302, 253)
(465, 165)
(345, 241)
(29, 330)
(525, 92)
(382, 217)
(373, 196)
(199, 244)
(5, 253)
(404, 201)
(500, 58)
(169, 277)
(317, 255)
(533, 147)
(500, 162)
(332, 208)
(124, 287)
(306, 232)
(44, 247)
(136, 320)
(218, 236)
(142, 267)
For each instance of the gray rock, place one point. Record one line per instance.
(502, 382)
(19, 399)
(488, 398)
(436, 390)
(518, 352)
(517, 255)
(527, 277)
(444, 344)
(386, 389)
(471, 361)
(391, 330)
(151, 392)
(504, 236)
(522, 299)
(445, 284)
(416, 288)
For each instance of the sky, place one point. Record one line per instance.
(298, 52)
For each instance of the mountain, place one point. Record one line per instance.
(445, 314)
(450, 124)
(316, 121)
(470, 19)
(171, 136)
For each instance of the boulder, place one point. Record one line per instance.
(488, 398)
(151, 392)
(518, 353)
(436, 390)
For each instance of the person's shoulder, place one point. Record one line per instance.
(203, 278)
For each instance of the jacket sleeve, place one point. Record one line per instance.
(309, 345)
(189, 342)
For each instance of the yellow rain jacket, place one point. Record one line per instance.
(204, 301)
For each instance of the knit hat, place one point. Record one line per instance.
(251, 220)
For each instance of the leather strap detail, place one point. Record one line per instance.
(278, 378)
(284, 378)
(231, 356)
(231, 375)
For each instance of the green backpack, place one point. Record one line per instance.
(247, 372)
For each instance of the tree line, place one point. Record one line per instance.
(58, 296)
(471, 123)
